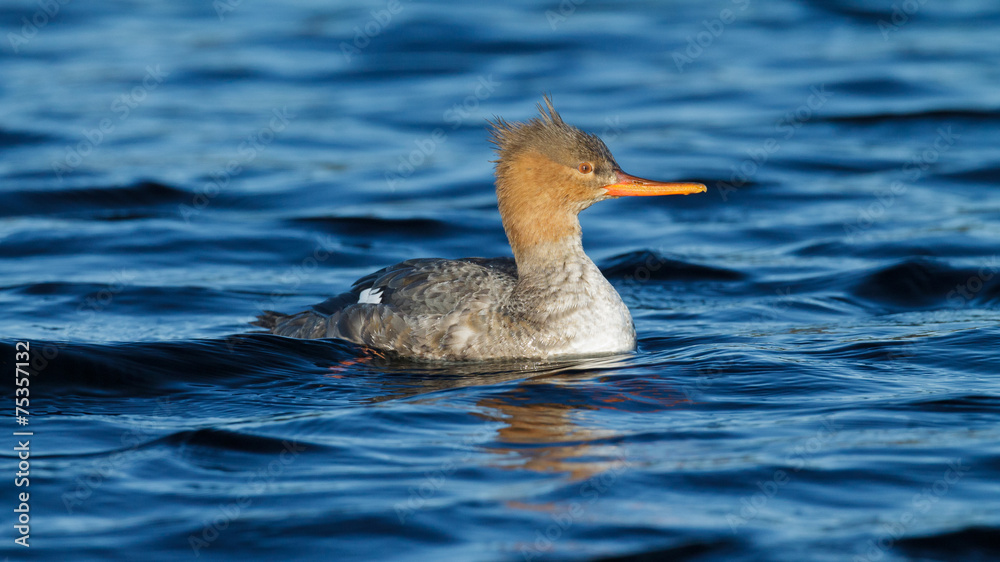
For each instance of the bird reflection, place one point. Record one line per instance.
(545, 423)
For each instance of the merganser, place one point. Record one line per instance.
(549, 301)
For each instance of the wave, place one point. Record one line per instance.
(645, 264)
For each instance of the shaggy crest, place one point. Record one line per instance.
(547, 134)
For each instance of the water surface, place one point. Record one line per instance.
(816, 376)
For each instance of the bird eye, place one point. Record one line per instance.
(586, 168)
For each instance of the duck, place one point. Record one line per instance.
(549, 301)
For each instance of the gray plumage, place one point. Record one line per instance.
(463, 309)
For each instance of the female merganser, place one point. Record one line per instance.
(550, 300)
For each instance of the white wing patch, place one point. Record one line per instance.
(369, 296)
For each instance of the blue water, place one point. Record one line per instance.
(816, 376)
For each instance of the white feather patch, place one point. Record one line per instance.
(369, 296)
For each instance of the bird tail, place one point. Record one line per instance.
(269, 320)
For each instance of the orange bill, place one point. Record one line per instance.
(631, 185)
